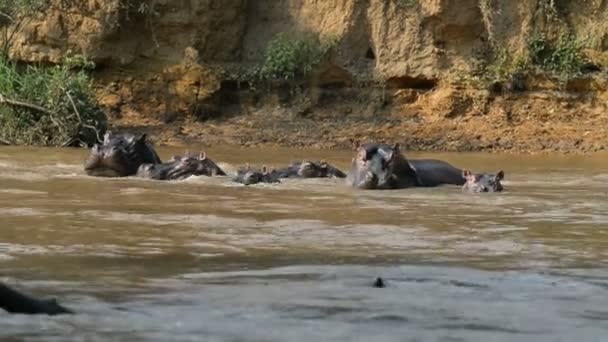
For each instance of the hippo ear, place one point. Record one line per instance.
(323, 163)
(202, 156)
(500, 175)
(107, 137)
(467, 174)
(396, 147)
(142, 138)
(264, 170)
(387, 155)
(362, 154)
(355, 144)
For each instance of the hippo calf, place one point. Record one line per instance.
(120, 156)
(181, 167)
(250, 176)
(311, 169)
(382, 166)
(156, 171)
(482, 182)
(15, 302)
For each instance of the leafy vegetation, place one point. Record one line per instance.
(289, 58)
(407, 3)
(562, 59)
(49, 106)
(503, 66)
(14, 15)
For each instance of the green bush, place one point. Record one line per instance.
(502, 66)
(290, 58)
(49, 106)
(563, 58)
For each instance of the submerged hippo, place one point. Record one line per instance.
(311, 169)
(181, 167)
(250, 176)
(482, 182)
(15, 302)
(120, 155)
(381, 166)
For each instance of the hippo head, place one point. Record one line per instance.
(327, 170)
(308, 169)
(250, 176)
(482, 182)
(198, 165)
(379, 166)
(119, 156)
(322, 169)
(148, 171)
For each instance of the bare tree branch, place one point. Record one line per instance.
(5, 100)
(80, 117)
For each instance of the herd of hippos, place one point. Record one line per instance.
(374, 166)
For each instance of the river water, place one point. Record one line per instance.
(207, 259)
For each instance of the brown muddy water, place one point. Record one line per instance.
(207, 259)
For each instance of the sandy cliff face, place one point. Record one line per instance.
(161, 61)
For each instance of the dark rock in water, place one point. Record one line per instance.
(379, 283)
(15, 302)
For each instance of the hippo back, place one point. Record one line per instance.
(432, 172)
(16, 302)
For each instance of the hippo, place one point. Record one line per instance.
(120, 156)
(482, 182)
(181, 167)
(311, 169)
(200, 164)
(381, 166)
(250, 176)
(15, 302)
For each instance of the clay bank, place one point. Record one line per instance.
(470, 75)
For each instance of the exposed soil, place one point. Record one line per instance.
(162, 68)
(444, 119)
